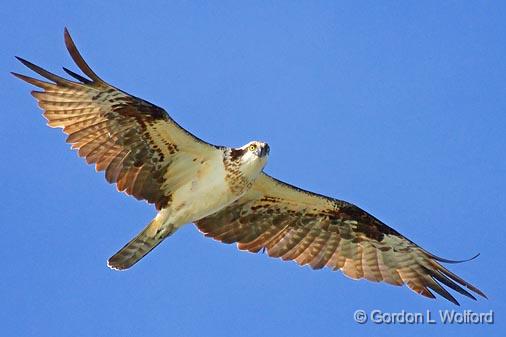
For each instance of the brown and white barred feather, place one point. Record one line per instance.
(150, 237)
(136, 143)
(148, 155)
(315, 230)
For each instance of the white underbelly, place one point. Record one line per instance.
(204, 195)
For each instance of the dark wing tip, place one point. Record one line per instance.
(453, 300)
(25, 62)
(20, 76)
(33, 81)
(77, 76)
(445, 294)
(78, 59)
(453, 281)
(42, 72)
(441, 259)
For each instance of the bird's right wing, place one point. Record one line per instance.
(312, 229)
(139, 146)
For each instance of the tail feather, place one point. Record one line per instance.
(138, 247)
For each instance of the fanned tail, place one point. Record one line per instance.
(150, 237)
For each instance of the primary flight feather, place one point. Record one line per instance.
(224, 190)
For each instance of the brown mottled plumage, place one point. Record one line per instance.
(318, 231)
(134, 141)
(223, 190)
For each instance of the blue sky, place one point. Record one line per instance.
(398, 107)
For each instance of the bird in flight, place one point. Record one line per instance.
(223, 190)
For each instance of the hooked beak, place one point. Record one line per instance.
(264, 151)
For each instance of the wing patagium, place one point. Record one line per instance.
(318, 231)
(135, 142)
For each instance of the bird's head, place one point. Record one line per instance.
(251, 157)
(255, 150)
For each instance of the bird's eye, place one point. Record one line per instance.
(252, 147)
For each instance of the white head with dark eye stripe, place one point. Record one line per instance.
(255, 148)
(252, 157)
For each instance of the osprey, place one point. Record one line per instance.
(224, 190)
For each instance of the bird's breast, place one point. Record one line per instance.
(206, 193)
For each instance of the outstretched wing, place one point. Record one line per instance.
(293, 224)
(138, 145)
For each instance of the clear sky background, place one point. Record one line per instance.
(398, 107)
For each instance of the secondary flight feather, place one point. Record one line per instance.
(223, 190)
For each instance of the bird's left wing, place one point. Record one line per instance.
(312, 229)
(136, 143)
